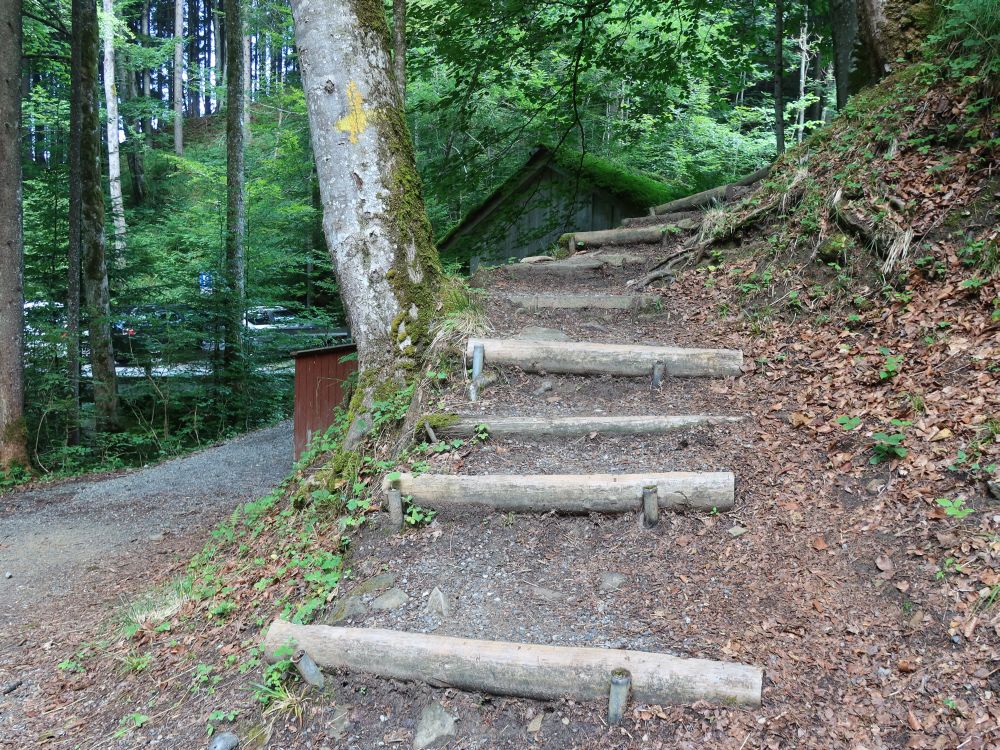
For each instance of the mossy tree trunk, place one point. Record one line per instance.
(235, 191)
(399, 45)
(95, 270)
(373, 212)
(12, 434)
(179, 77)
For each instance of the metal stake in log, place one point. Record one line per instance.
(478, 359)
(311, 673)
(621, 686)
(650, 506)
(395, 508)
(659, 373)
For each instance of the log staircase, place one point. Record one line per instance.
(579, 285)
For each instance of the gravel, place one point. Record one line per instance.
(51, 536)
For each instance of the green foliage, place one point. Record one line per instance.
(848, 423)
(954, 507)
(217, 717)
(969, 30)
(129, 723)
(891, 366)
(889, 446)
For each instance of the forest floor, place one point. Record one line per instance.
(871, 610)
(75, 550)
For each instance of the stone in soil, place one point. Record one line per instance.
(539, 333)
(611, 581)
(224, 741)
(438, 604)
(549, 595)
(738, 531)
(350, 607)
(391, 599)
(435, 725)
(374, 584)
(535, 725)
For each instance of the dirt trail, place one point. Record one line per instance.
(76, 537)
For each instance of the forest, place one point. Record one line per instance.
(667, 348)
(683, 91)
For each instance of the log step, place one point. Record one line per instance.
(586, 358)
(576, 426)
(635, 302)
(518, 669)
(642, 235)
(574, 266)
(569, 493)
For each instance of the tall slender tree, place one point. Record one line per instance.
(235, 191)
(779, 75)
(179, 77)
(114, 148)
(13, 446)
(74, 221)
(95, 270)
(373, 211)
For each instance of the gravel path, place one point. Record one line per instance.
(51, 538)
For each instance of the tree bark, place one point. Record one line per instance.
(114, 150)
(779, 76)
(235, 207)
(800, 117)
(376, 228)
(247, 81)
(844, 30)
(193, 97)
(147, 122)
(74, 219)
(179, 77)
(399, 46)
(95, 270)
(13, 442)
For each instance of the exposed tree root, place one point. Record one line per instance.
(887, 238)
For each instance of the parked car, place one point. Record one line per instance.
(278, 331)
(149, 334)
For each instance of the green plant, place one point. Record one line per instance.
(954, 507)
(414, 515)
(481, 433)
(218, 716)
(129, 723)
(71, 665)
(133, 662)
(205, 679)
(888, 447)
(949, 566)
(848, 423)
(890, 368)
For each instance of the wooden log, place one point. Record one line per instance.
(706, 197)
(635, 302)
(519, 669)
(655, 219)
(632, 360)
(574, 266)
(576, 426)
(571, 493)
(645, 235)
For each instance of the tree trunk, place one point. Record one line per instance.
(779, 76)
(399, 46)
(800, 116)
(247, 81)
(179, 77)
(373, 211)
(220, 43)
(235, 209)
(844, 29)
(13, 442)
(114, 150)
(206, 57)
(73, 258)
(135, 146)
(193, 98)
(147, 122)
(95, 270)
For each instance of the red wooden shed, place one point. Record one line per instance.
(320, 376)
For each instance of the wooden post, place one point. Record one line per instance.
(650, 506)
(621, 685)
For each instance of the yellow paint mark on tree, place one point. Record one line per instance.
(355, 121)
